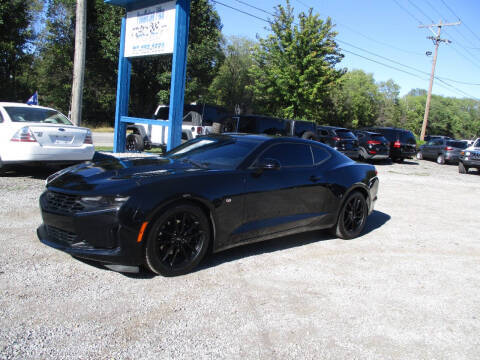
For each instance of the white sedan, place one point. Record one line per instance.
(36, 134)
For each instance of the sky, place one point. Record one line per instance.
(387, 32)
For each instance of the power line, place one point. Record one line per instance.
(420, 10)
(254, 7)
(458, 17)
(407, 11)
(359, 48)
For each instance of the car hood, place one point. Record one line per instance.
(117, 175)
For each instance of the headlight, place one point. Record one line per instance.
(103, 201)
(467, 153)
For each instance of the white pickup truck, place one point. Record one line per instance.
(197, 120)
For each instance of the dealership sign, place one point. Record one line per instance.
(150, 30)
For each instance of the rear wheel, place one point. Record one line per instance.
(134, 143)
(462, 169)
(419, 155)
(352, 217)
(178, 240)
(441, 159)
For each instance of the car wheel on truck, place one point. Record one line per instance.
(462, 169)
(134, 143)
(309, 135)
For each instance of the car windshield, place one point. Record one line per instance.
(345, 134)
(36, 115)
(215, 152)
(477, 143)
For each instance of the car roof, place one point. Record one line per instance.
(332, 127)
(16, 104)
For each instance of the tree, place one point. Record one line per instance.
(294, 67)
(16, 36)
(231, 86)
(389, 111)
(356, 100)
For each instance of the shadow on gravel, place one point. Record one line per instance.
(33, 172)
(374, 221)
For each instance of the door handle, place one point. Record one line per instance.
(314, 178)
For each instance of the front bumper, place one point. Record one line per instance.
(468, 161)
(97, 236)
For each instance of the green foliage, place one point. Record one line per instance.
(356, 100)
(16, 36)
(230, 86)
(294, 68)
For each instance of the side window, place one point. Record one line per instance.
(360, 135)
(323, 132)
(438, 142)
(289, 155)
(319, 154)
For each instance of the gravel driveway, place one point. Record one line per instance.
(409, 288)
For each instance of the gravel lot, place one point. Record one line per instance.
(409, 288)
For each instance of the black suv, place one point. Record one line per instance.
(402, 142)
(340, 139)
(260, 124)
(373, 146)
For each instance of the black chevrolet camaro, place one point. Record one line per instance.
(209, 194)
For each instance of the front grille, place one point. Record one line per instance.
(64, 203)
(59, 235)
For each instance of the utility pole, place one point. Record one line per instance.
(436, 40)
(79, 61)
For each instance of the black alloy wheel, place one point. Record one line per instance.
(178, 240)
(352, 217)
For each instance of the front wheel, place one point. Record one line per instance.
(178, 240)
(441, 159)
(462, 169)
(352, 217)
(419, 155)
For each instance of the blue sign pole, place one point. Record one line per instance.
(123, 90)
(179, 69)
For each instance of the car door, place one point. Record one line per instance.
(278, 200)
(427, 150)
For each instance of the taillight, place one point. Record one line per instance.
(23, 135)
(199, 130)
(336, 138)
(397, 144)
(373, 142)
(372, 152)
(88, 138)
(449, 148)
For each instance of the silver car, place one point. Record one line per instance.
(442, 150)
(470, 158)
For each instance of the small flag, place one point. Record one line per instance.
(33, 100)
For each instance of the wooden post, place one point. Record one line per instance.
(79, 62)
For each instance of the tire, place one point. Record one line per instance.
(309, 135)
(134, 143)
(178, 240)
(352, 217)
(419, 156)
(462, 169)
(216, 128)
(441, 159)
(398, 160)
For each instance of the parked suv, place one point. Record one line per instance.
(260, 124)
(340, 139)
(372, 145)
(442, 150)
(402, 142)
(470, 158)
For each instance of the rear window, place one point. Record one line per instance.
(407, 137)
(378, 137)
(457, 144)
(345, 134)
(36, 115)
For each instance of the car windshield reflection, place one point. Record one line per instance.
(36, 115)
(216, 152)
